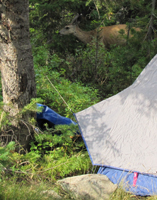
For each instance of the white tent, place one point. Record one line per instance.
(121, 131)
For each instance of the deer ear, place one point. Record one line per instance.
(74, 21)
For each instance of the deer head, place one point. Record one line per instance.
(71, 28)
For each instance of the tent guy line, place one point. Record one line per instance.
(59, 95)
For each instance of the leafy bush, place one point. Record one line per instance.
(110, 70)
(52, 156)
(77, 96)
(5, 154)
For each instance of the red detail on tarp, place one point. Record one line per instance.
(135, 179)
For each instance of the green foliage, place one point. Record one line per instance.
(51, 155)
(32, 106)
(4, 118)
(111, 70)
(5, 154)
(47, 18)
(62, 137)
(12, 190)
(1, 98)
(120, 194)
(76, 95)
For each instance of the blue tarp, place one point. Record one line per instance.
(146, 184)
(51, 116)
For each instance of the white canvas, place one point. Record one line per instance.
(121, 131)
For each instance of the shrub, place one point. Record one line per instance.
(76, 95)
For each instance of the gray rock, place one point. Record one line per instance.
(88, 187)
(52, 193)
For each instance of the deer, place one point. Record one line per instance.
(107, 35)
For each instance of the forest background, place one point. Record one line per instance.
(83, 75)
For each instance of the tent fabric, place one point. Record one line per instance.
(51, 116)
(121, 131)
(146, 184)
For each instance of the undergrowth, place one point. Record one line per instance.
(51, 85)
(51, 157)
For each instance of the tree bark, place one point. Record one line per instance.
(16, 63)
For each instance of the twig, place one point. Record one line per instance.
(26, 162)
(97, 9)
(27, 128)
(57, 165)
(53, 167)
(17, 172)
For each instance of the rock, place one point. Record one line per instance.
(52, 193)
(88, 187)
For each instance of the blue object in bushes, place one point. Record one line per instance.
(50, 117)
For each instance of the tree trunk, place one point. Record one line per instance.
(16, 63)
